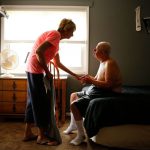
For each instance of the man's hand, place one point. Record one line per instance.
(86, 79)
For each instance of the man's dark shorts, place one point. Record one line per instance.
(87, 95)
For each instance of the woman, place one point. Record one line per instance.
(46, 48)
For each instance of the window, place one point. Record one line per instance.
(26, 23)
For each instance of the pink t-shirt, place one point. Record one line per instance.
(33, 65)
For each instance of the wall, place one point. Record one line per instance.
(113, 21)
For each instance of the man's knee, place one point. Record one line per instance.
(73, 97)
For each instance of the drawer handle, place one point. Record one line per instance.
(14, 85)
(14, 97)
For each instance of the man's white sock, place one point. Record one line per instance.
(72, 125)
(80, 134)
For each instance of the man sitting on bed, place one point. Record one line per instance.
(107, 82)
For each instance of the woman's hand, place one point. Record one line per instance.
(86, 79)
(49, 75)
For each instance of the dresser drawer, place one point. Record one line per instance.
(14, 84)
(20, 108)
(11, 108)
(14, 96)
(6, 107)
(1, 84)
(1, 97)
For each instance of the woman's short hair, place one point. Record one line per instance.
(66, 24)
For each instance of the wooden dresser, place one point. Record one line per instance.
(13, 97)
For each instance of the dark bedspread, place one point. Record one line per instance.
(130, 107)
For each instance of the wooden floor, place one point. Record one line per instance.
(11, 134)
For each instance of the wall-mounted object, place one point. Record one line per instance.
(138, 18)
(146, 21)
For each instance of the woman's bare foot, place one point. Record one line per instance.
(46, 141)
(30, 138)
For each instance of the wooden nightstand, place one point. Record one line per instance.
(13, 96)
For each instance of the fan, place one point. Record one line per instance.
(9, 60)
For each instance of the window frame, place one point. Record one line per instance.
(30, 7)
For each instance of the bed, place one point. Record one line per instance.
(121, 121)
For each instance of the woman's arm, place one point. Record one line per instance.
(41, 58)
(57, 62)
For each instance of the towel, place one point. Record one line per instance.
(53, 132)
